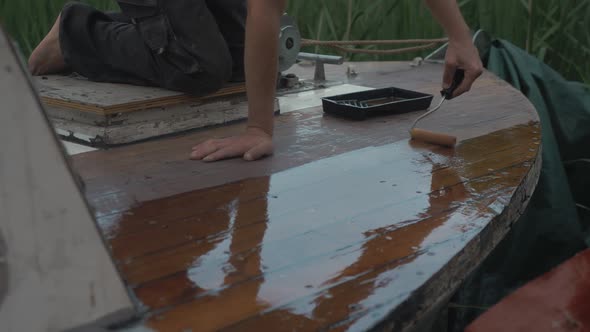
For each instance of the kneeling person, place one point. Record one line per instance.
(192, 46)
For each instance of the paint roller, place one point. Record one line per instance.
(435, 137)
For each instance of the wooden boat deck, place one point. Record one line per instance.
(348, 226)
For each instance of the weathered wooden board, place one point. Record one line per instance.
(99, 130)
(348, 226)
(78, 93)
(150, 123)
(112, 114)
(57, 273)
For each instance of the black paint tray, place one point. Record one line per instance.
(361, 105)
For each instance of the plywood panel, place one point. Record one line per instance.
(150, 124)
(78, 93)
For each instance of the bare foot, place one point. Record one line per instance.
(47, 58)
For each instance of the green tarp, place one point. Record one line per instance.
(555, 225)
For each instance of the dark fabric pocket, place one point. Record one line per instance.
(159, 35)
(156, 33)
(138, 9)
(182, 58)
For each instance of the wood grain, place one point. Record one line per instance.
(125, 128)
(348, 226)
(75, 92)
(106, 114)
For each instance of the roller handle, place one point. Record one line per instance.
(457, 80)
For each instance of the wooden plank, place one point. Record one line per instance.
(57, 271)
(310, 241)
(151, 123)
(105, 114)
(324, 137)
(184, 219)
(78, 93)
(347, 226)
(346, 295)
(299, 101)
(200, 223)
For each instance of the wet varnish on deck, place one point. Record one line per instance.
(348, 226)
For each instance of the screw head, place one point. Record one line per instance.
(289, 43)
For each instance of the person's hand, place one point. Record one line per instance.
(253, 144)
(462, 54)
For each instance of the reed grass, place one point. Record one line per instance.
(557, 32)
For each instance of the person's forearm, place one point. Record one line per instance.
(261, 61)
(448, 15)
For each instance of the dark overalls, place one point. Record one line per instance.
(193, 46)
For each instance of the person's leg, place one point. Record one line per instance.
(93, 44)
(105, 47)
(231, 19)
(196, 51)
(177, 46)
(47, 58)
(118, 17)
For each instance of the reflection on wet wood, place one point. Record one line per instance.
(348, 226)
(323, 247)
